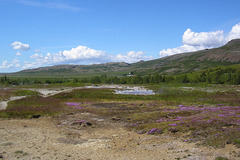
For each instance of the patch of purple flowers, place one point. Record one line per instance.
(76, 105)
(155, 131)
(201, 116)
(72, 104)
(170, 120)
(80, 121)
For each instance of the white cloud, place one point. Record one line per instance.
(198, 41)
(76, 55)
(4, 63)
(208, 39)
(18, 53)
(131, 57)
(83, 55)
(181, 49)
(234, 33)
(28, 65)
(82, 52)
(36, 56)
(14, 64)
(20, 46)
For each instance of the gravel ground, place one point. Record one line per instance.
(70, 137)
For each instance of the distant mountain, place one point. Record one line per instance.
(228, 54)
(113, 68)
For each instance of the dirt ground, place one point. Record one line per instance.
(85, 136)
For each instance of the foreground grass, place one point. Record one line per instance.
(194, 115)
(33, 106)
(169, 95)
(7, 93)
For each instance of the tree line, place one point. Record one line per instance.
(212, 76)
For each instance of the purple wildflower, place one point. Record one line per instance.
(80, 121)
(221, 115)
(72, 104)
(155, 131)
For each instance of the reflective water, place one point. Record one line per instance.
(135, 91)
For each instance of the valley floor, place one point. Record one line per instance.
(67, 137)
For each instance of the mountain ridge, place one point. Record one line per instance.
(227, 54)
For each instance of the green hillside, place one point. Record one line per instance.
(226, 55)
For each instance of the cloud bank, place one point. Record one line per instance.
(193, 41)
(13, 64)
(83, 54)
(75, 55)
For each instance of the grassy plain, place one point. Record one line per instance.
(206, 114)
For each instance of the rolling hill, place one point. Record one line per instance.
(226, 55)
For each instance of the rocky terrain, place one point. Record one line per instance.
(85, 136)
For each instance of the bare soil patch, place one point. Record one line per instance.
(86, 136)
(3, 104)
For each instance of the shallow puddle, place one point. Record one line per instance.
(135, 91)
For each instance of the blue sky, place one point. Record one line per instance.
(36, 33)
